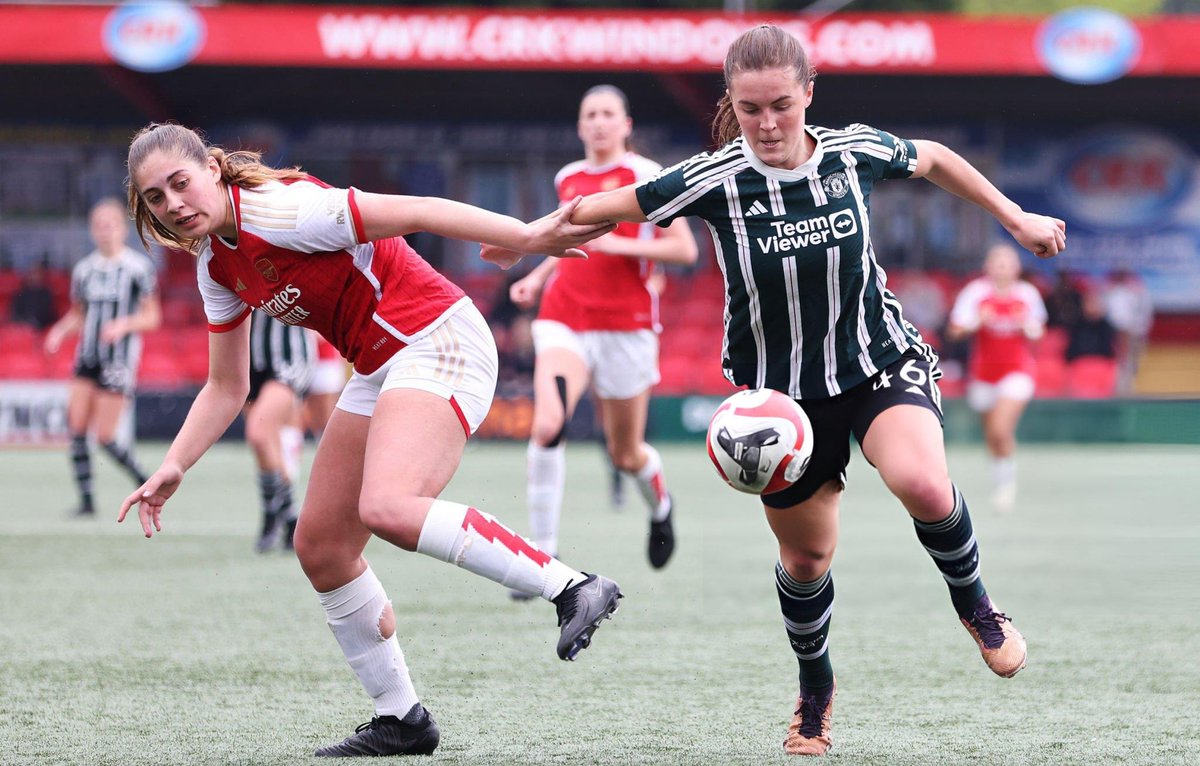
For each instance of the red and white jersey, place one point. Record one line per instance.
(1000, 320)
(604, 292)
(301, 256)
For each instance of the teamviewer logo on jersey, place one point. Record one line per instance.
(758, 208)
(843, 224)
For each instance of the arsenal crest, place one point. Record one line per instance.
(836, 184)
(268, 270)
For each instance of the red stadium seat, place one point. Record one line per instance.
(1051, 377)
(23, 365)
(1053, 343)
(1092, 377)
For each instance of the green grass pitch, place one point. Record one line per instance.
(191, 649)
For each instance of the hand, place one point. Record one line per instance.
(53, 341)
(151, 496)
(500, 256)
(608, 243)
(1041, 235)
(113, 330)
(555, 235)
(524, 292)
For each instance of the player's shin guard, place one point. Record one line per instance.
(951, 544)
(807, 609)
(653, 487)
(125, 457)
(477, 542)
(81, 466)
(353, 612)
(544, 492)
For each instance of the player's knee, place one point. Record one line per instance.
(627, 460)
(396, 519)
(807, 563)
(547, 431)
(926, 494)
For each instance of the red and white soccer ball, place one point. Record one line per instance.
(760, 441)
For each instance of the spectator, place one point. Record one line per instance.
(1064, 303)
(1092, 334)
(1131, 312)
(33, 303)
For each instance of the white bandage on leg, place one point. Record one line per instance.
(477, 542)
(353, 612)
(547, 469)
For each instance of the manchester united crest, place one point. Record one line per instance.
(836, 184)
(267, 269)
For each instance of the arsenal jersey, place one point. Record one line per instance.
(604, 292)
(1001, 345)
(301, 256)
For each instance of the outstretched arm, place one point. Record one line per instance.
(391, 215)
(217, 404)
(603, 209)
(676, 245)
(1041, 235)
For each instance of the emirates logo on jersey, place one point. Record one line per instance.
(267, 269)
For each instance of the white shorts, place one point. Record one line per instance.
(1017, 386)
(457, 361)
(329, 377)
(623, 363)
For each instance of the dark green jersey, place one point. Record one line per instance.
(807, 309)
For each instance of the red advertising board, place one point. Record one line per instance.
(1081, 45)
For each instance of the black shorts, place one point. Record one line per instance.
(114, 376)
(296, 376)
(908, 380)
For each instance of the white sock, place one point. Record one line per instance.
(1004, 471)
(475, 541)
(291, 440)
(353, 613)
(651, 484)
(547, 472)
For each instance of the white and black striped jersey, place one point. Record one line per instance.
(283, 352)
(807, 309)
(105, 289)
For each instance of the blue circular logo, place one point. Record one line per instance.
(1124, 179)
(153, 36)
(1088, 45)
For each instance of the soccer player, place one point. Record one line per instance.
(808, 313)
(1005, 314)
(334, 260)
(282, 358)
(114, 298)
(598, 324)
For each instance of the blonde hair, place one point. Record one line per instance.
(764, 47)
(238, 168)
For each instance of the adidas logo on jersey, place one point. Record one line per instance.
(240, 286)
(758, 208)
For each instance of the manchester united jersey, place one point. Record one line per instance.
(1001, 344)
(301, 256)
(604, 292)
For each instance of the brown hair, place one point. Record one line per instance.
(238, 168)
(764, 47)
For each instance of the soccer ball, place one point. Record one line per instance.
(760, 441)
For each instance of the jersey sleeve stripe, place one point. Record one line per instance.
(355, 216)
(231, 324)
(693, 193)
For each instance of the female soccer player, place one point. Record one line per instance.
(1005, 314)
(282, 359)
(808, 313)
(114, 298)
(598, 322)
(425, 371)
